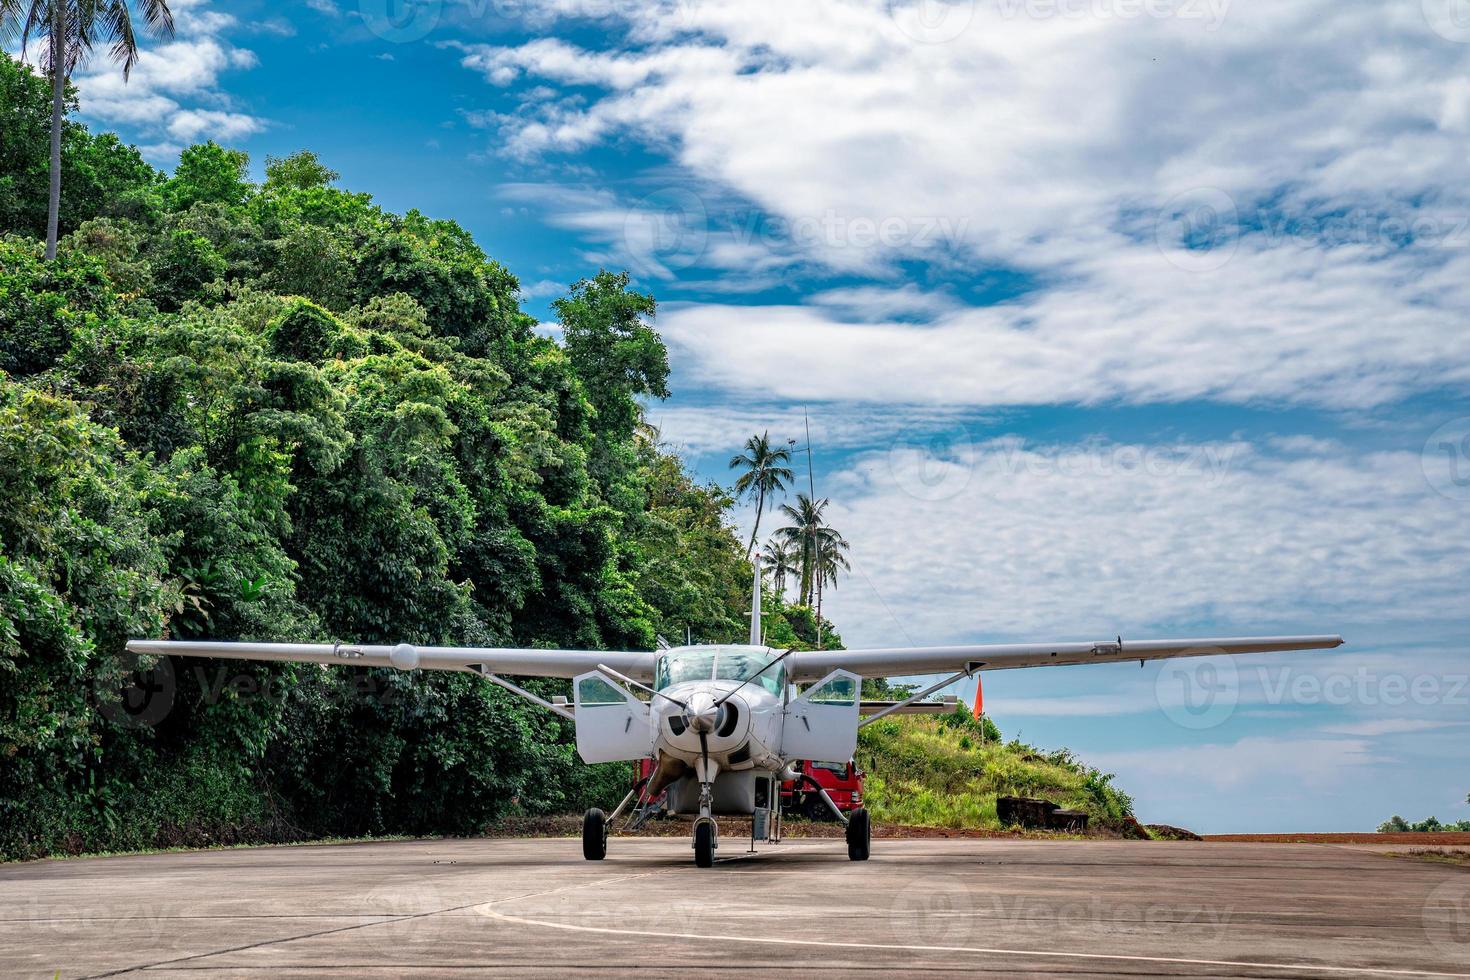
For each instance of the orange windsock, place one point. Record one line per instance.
(979, 697)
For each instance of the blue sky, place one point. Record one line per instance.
(1111, 316)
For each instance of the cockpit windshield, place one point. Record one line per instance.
(739, 665)
(692, 665)
(721, 663)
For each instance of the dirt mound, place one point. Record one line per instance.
(1162, 831)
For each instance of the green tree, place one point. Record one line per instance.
(764, 472)
(71, 29)
(782, 561)
(210, 174)
(830, 562)
(182, 267)
(43, 305)
(806, 534)
(302, 170)
(613, 349)
(102, 176)
(118, 244)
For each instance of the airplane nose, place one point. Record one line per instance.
(702, 715)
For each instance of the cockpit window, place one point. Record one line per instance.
(733, 664)
(694, 665)
(739, 666)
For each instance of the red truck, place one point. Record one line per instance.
(842, 781)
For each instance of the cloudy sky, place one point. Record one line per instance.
(1110, 316)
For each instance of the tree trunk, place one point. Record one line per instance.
(58, 105)
(806, 571)
(819, 607)
(760, 505)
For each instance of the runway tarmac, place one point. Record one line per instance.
(998, 907)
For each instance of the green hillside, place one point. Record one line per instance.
(940, 771)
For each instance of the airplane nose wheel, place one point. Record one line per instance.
(594, 835)
(704, 844)
(859, 835)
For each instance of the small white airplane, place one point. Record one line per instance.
(724, 722)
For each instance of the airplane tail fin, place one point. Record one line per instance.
(755, 603)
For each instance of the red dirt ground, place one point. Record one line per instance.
(1406, 838)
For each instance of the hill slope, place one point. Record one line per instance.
(939, 771)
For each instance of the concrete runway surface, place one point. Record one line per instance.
(998, 907)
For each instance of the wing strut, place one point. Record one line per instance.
(533, 698)
(914, 697)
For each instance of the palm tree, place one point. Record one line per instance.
(804, 531)
(71, 28)
(830, 563)
(780, 558)
(765, 473)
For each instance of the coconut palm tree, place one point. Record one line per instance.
(781, 559)
(830, 563)
(802, 534)
(71, 28)
(765, 473)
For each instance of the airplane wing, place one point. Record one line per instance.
(902, 661)
(405, 656)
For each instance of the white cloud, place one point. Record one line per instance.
(1085, 150)
(1387, 726)
(697, 430)
(189, 124)
(175, 87)
(996, 538)
(1281, 325)
(1317, 763)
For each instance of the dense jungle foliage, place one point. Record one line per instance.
(275, 410)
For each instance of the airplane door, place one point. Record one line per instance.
(612, 725)
(822, 724)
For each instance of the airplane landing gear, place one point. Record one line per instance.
(859, 835)
(704, 843)
(594, 835)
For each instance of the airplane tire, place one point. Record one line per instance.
(704, 844)
(859, 835)
(594, 835)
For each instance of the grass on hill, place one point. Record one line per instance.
(946, 771)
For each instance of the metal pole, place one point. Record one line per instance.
(811, 482)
